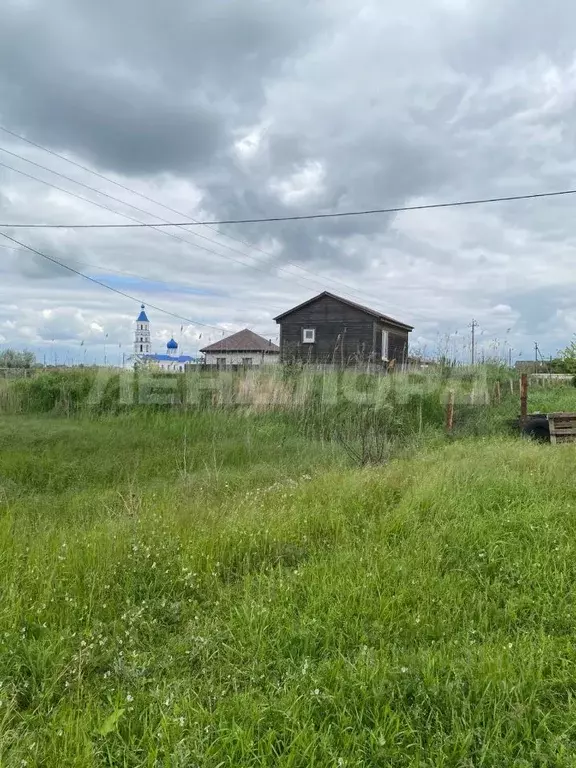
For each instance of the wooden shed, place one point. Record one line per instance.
(328, 329)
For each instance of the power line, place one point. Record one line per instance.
(166, 207)
(160, 218)
(138, 223)
(156, 227)
(111, 270)
(117, 200)
(132, 218)
(307, 217)
(105, 285)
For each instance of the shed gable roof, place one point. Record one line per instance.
(243, 341)
(367, 310)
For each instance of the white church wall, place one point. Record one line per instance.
(171, 366)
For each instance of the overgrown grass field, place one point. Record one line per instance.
(227, 587)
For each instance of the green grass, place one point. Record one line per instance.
(226, 589)
(552, 399)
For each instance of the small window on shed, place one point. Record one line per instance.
(308, 335)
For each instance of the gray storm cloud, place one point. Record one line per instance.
(265, 108)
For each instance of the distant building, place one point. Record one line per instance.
(244, 348)
(171, 361)
(328, 329)
(530, 366)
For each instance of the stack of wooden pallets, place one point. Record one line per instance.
(562, 427)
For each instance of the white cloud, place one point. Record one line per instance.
(248, 146)
(282, 109)
(304, 186)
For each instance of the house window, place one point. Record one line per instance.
(221, 362)
(385, 345)
(247, 362)
(308, 335)
(140, 347)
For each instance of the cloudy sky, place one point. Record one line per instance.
(254, 108)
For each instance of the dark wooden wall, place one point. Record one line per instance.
(344, 335)
(398, 345)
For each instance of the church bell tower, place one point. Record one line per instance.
(142, 344)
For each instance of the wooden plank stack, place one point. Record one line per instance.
(562, 427)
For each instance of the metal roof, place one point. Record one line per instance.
(243, 341)
(169, 358)
(373, 312)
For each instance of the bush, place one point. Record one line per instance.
(54, 391)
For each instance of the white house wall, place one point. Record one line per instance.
(237, 358)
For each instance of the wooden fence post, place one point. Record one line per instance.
(450, 412)
(497, 392)
(524, 396)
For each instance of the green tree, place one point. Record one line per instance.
(568, 357)
(12, 358)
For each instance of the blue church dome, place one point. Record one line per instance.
(142, 317)
(172, 344)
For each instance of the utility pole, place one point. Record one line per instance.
(510, 357)
(473, 325)
(536, 352)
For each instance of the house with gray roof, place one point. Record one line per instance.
(244, 348)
